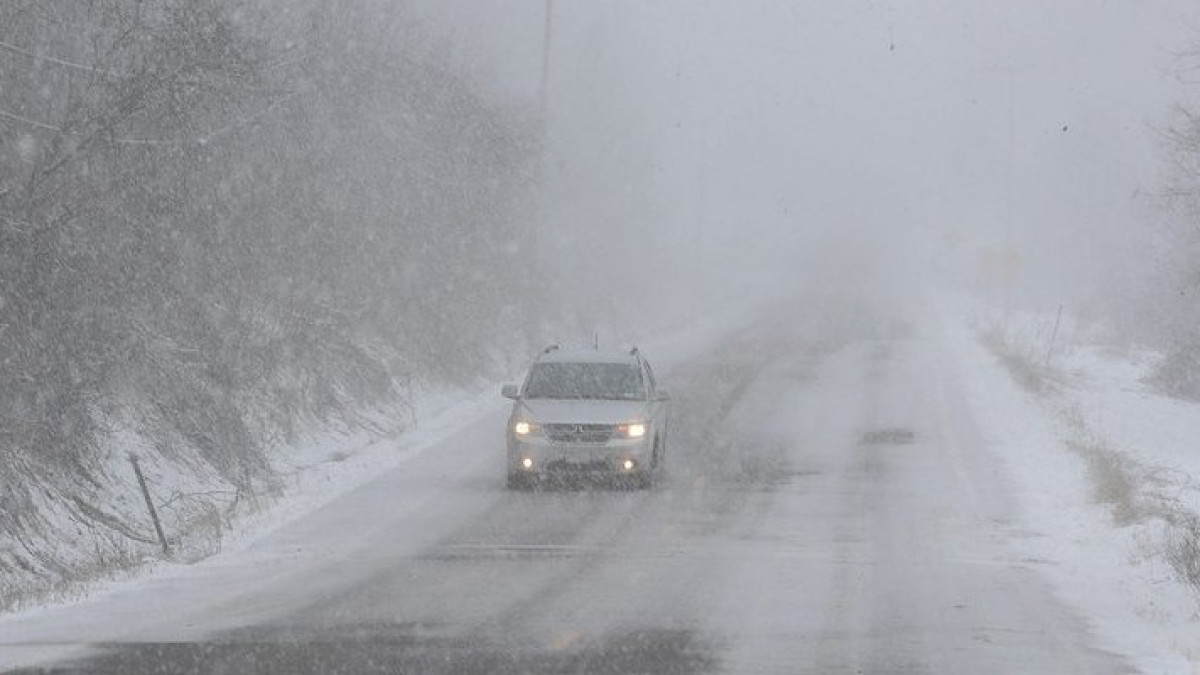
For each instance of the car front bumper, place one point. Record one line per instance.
(539, 456)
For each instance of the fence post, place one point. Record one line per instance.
(137, 470)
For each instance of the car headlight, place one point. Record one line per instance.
(633, 430)
(526, 428)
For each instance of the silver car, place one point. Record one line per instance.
(587, 413)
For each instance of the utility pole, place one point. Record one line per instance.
(543, 91)
(1054, 336)
(1010, 258)
(1010, 198)
(544, 120)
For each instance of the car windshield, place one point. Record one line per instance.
(604, 381)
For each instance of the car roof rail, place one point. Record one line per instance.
(550, 348)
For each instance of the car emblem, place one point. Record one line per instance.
(579, 428)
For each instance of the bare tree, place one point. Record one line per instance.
(225, 221)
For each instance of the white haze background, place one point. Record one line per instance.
(704, 149)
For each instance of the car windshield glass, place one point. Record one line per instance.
(609, 381)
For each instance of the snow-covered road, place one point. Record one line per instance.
(831, 508)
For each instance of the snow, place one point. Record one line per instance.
(1108, 573)
(335, 464)
(328, 467)
(1112, 573)
(1157, 431)
(338, 463)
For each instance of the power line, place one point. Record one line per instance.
(196, 140)
(215, 133)
(61, 62)
(32, 123)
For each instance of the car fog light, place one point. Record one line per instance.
(628, 464)
(634, 430)
(527, 463)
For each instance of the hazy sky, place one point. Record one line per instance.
(862, 142)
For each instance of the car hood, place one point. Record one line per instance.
(546, 411)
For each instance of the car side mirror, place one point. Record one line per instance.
(510, 391)
(662, 395)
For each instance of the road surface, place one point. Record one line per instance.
(830, 508)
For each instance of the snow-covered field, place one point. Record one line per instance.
(1096, 456)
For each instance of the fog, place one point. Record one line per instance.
(708, 150)
(258, 255)
(227, 225)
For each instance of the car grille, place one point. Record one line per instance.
(579, 433)
(564, 467)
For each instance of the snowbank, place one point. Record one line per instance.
(1105, 471)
